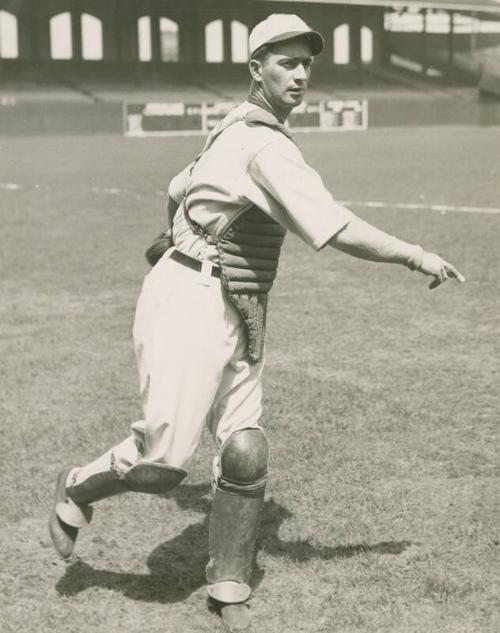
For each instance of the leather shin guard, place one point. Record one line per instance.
(235, 516)
(148, 478)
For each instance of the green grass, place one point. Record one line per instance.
(381, 399)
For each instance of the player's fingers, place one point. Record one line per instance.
(453, 272)
(435, 283)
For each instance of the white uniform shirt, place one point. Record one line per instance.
(253, 165)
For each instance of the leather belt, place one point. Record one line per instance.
(191, 262)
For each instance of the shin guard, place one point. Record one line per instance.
(235, 517)
(148, 478)
(72, 509)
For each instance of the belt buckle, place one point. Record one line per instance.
(206, 272)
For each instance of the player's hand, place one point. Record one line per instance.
(161, 244)
(440, 269)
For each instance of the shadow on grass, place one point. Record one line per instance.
(177, 567)
(302, 551)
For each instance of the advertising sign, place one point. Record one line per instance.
(167, 119)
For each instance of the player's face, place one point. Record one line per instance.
(285, 72)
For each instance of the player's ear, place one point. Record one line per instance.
(255, 68)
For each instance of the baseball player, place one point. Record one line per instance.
(201, 316)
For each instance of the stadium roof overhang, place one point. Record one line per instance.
(484, 6)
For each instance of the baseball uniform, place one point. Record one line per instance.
(189, 340)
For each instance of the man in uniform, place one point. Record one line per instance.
(200, 320)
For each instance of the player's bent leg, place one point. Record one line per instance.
(234, 522)
(73, 510)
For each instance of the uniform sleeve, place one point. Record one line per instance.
(178, 185)
(283, 185)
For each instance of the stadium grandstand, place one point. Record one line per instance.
(105, 53)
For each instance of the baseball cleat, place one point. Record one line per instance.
(236, 617)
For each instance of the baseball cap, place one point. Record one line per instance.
(281, 26)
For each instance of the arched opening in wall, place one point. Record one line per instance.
(366, 45)
(61, 41)
(144, 38)
(9, 47)
(214, 42)
(239, 42)
(91, 37)
(341, 44)
(169, 40)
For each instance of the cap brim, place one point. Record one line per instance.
(314, 38)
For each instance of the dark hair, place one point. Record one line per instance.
(261, 53)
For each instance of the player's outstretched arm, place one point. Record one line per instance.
(360, 239)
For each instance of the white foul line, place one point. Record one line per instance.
(418, 206)
(112, 190)
(372, 204)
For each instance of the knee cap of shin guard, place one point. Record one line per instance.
(153, 478)
(243, 460)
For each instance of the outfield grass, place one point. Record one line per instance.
(381, 398)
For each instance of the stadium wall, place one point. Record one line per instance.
(120, 62)
(56, 118)
(436, 49)
(119, 23)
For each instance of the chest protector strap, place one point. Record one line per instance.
(249, 251)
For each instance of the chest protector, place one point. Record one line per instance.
(249, 250)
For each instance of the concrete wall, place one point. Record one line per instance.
(56, 118)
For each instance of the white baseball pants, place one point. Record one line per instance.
(190, 345)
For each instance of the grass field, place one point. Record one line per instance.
(381, 398)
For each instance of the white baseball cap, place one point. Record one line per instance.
(280, 26)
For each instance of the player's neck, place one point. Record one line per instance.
(257, 97)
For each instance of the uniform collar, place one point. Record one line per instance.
(257, 99)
